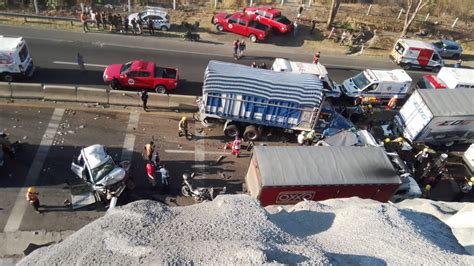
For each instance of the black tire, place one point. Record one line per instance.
(407, 66)
(219, 27)
(164, 28)
(160, 89)
(232, 131)
(253, 38)
(251, 133)
(7, 77)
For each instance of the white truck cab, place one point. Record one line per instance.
(382, 84)
(285, 65)
(15, 59)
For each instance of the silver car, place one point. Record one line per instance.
(159, 16)
(448, 49)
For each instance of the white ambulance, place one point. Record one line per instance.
(285, 65)
(15, 59)
(416, 54)
(381, 84)
(448, 78)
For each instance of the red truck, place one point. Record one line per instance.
(241, 24)
(281, 175)
(141, 74)
(270, 16)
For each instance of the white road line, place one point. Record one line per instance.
(129, 141)
(75, 64)
(194, 151)
(18, 211)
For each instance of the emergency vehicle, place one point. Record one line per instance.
(319, 70)
(416, 54)
(448, 78)
(15, 59)
(381, 84)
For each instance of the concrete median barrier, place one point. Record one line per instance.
(128, 98)
(60, 93)
(158, 100)
(92, 95)
(183, 103)
(5, 90)
(27, 90)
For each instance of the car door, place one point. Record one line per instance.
(231, 22)
(144, 79)
(131, 79)
(241, 26)
(157, 21)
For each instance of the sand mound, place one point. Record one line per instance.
(236, 230)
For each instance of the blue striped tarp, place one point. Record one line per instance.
(228, 78)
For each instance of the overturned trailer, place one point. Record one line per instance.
(287, 175)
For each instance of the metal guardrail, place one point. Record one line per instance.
(27, 16)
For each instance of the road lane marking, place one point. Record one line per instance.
(195, 151)
(18, 211)
(75, 64)
(129, 141)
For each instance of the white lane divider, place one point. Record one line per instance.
(194, 151)
(75, 64)
(18, 211)
(129, 141)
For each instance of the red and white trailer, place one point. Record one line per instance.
(290, 174)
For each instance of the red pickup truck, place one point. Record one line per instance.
(270, 16)
(141, 74)
(241, 24)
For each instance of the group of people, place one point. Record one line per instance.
(115, 22)
(262, 65)
(239, 48)
(153, 168)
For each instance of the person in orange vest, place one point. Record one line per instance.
(83, 17)
(236, 145)
(32, 197)
(392, 103)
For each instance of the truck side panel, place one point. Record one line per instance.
(447, 129)
(292, 195)
(256, 110)
(413, 117)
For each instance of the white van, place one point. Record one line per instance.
(416, 54)
(448, 78)
(15, 60)
(382, 84)
(285, 65)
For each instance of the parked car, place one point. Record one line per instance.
(141, 74)
(270, 16)
(160, 17)
(448, 49)
(241, 24)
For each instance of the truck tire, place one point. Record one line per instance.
(253, 38)
(160, 89)
(251, 133)
(436, 69)
(407, 66)
(232, 131)
(219, 27)
(164, 28)
(7, 77)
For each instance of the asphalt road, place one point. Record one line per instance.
(54, 52)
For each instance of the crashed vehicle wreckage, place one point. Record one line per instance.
(97, 169)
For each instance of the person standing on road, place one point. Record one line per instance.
(140, 25)
(114, 84)
(165, 175)
(263, 66)
(155, 157)
(183, 127)
(144, 96)
(110, 19)
(93, 17)
(295, 27)
(458, 64)
(242, 47)
(300, 11)
(316, 57)
(313, 26)
(392, 103)
(103, 17)
(80, 62)
(236, 146)
(254, 64)
(149, 149)
(32, 197)
(125, 23)
(151, 30)
(150, 173)
(134, 26)
(235, 45)
(83, 18)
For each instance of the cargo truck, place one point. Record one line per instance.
(279, 175)
(436, 117)
(250, 101)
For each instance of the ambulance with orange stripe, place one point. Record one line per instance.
(416, 54)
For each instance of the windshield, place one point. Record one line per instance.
(256, 25)
(424, 84)
(360, 81)
(283, 20)
(399, 48)
(125, 68)
(101, 171)
(23, 53)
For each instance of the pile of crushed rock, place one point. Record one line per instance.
(234, 229)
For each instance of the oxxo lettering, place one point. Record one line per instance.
(294, 196)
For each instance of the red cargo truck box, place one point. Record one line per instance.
(287, 175)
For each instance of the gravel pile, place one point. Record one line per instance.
(236, 230)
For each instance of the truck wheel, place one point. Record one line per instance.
(164, 28)
(407, 67)
(219, 27)
(251, 133)
(436, 69)
(253, 38)
(232, 131)
(8, 77)
(160, 89)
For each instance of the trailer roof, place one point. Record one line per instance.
(455, 102)
(304, 89)
(418, 44)
(462, 75)
(300, 166)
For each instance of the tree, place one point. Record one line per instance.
(333, 12)
(410, 15)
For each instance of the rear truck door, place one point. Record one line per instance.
(414, 116)
(424, 57)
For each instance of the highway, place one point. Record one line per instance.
(54, 52)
